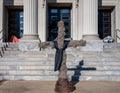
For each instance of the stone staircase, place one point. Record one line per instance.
(39, 65)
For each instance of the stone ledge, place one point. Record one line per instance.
(29, 45)
(93, 45)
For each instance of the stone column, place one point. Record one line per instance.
(74, 20)
(30, 40)
(1, 20)
(42, 9)
(90, 22)
(80, 19)
(30, 19)
(90, 26)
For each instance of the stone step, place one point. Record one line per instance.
(52, 73)
(112, 50)
(12, 49)
(32, 73)
(80, 54)
(107, 59)
(21, 59)
(44, 63)
(29, 68)
(29, 52)
(29, 77)
(96, 68)
(51, 67)
(99, 73)
(26, 56)
(81, 78)
(68, 51)
(69, 58)
(99, 78)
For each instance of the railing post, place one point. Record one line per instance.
(1, 36)
(117, 35)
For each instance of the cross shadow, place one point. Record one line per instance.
(77, 71)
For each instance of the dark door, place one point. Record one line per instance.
(15, 23)
(104, 23)
(55, 15)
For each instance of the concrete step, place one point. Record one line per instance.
(107, 59)
(39, 65)
(32, 73)
(99, 78)
(21, 59)
(99, 73)
(26, 56)
(12, 49)
(52, 73)
(51, 67)
(29, 77)
(81, 78)
(44, 63)
(112, 50)
(39, 53)
(69, 58)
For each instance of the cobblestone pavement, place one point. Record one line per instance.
(48, 87)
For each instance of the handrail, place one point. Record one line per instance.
(2, 47)
(116, 35)
(2, 36)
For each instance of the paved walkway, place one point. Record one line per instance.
(48, 87)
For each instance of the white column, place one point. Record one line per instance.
(74, 31)
(1, 19)
(42, 6)
(30, 19)
(80, 19)
(90, 22)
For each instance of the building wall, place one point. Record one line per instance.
(77, 15)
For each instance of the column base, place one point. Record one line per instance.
(29, 37)
(93, 43)
(29, 43)
(91, 37)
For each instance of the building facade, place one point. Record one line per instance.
(37, 19)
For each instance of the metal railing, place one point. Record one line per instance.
(1, 38)
(3, 45)
(117, 35)
(3, 48)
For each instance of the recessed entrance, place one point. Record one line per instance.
(104, 21)
(15, 23)
(56, 14)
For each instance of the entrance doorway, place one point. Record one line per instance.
(15, 23)
(55, 15)
(104, 21)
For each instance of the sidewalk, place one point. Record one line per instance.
(48, 87)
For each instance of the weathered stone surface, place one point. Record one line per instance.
(38, 65)
(29, 46)
(94, 45)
